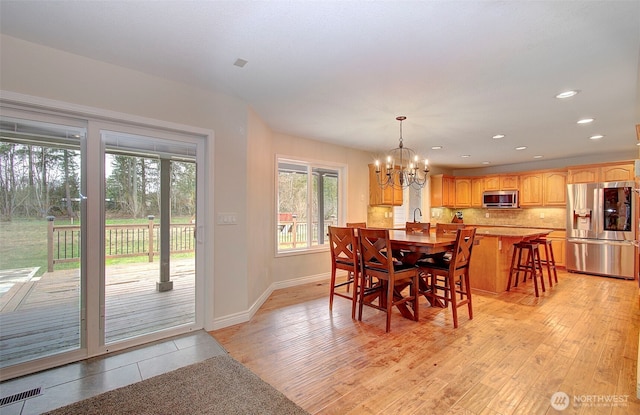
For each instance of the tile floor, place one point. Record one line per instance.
(74, 382)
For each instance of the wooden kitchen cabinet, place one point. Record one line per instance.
(492, 183)
(477, 187)
(543, 188)
(531, 189)
(509, 182)
(378, 196)
(611, 172)
(502, 182)
(559, 242)
(554, 188)
(617, 173)
(463, 192)
(582, 174)
(443, 190)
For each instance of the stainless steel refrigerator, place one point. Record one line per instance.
(601, 229)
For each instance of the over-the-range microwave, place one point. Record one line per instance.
(500, 199)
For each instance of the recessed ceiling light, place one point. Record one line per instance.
(596, 137)
(465, 156)
(521, 148)
(567, 94)
(488, 162)
(585, 121)
(240, 63)
(498, 136)
(537, 157)
(436, 148)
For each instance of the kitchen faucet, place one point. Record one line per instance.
(414, 213)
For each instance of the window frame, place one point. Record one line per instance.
(310, 164)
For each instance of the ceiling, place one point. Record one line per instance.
(342, 71)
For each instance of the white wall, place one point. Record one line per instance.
(260, 207)
(241, 259)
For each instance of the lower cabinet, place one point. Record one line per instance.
(559, 243)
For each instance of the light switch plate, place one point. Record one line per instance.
(227, 218)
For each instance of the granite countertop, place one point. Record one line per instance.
(512, 232)
(484, 226)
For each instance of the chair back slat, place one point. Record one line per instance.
(343, 244)
(356, 224)
(373, 245)
(462, 248)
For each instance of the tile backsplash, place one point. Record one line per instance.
(379, 217)
(529, 217)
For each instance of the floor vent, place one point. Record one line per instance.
(20, 396)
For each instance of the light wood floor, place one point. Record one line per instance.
(580, 337)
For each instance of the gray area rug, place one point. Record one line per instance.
(219, 385)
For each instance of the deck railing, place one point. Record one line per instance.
(292, 233)
(63, 242)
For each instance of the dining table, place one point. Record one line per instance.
(413, 247)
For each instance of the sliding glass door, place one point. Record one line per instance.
(98, 247)
(149, 229)
(41, 229)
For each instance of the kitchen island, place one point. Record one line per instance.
(491, 258)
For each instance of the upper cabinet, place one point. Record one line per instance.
(617, 173)
(543, 189)
(509, 182)
(463, 192)
(492, 183)
(378, 196)
(555, 188)
(443, 190)
(501, 182)
(477, 187)
(449, 191)
(531, 186)
(583, 174)
(610, 172)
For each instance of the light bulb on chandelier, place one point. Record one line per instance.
(403, 167)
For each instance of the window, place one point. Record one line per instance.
(308, 203)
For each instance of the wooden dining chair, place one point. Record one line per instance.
(448, 228)
(344, 256)
(448, 279)
(356, 224)
(418, 227)
(373, 244)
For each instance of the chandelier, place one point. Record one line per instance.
(403, 167)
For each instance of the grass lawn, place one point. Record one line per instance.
(23, 243)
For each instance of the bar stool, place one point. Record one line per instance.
(532, 265)
(549, 260)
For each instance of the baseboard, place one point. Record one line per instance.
(244, 316)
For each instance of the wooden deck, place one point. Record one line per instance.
(41, 316)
